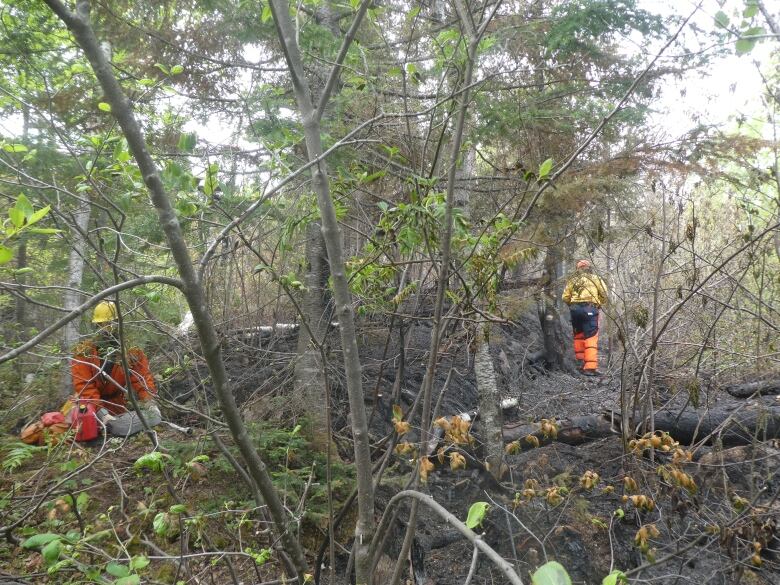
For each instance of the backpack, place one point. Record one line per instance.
(48, 427)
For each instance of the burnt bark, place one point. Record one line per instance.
(573, 431)
(729, 422)
(556, 339)
(732, 422)
(764, 388)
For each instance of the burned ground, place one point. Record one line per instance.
(720, 530)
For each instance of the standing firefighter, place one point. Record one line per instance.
(99, 381)
(585, 293)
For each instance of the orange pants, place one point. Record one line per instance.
(587, 350)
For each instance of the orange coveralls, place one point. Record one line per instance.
(89, 383)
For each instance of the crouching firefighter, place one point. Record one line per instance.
(585, 294)
(99, 386)
(99, 381)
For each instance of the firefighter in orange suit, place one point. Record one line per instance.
(585, 294)
(99, 377)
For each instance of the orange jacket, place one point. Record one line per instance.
(106, 389)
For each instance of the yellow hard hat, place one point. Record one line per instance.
(104, 311)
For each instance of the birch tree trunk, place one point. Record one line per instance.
(72, 299)
(490, 416)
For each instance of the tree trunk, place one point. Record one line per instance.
(557, 341)
(309, 377)
(76, 262)
(331, 233)
(734, 422)
(19, 331)
(490, 415)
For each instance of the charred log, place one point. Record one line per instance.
(732, 422)
(764, 388)
(573, 431)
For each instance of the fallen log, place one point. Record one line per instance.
(733, 422)
(764, 388)
(572, 431)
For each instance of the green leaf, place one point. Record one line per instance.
(744, 46)
(17, 216)
(117, 570)
(152, 461)
(178, 509)
(51, 552)
(176, 69)
(39, 540)
(477, 513)
(104, 107)
(187, 141)
(754, 31)
(267, 14)
(751, 9)
(139, 562)
(545, 168)
(721, 19)
(186, 208)
(619, 513)
(24, 204)
(39, 215)
(82, 501)
(14, 148)
(551, 573)
(614, 578)
(162, 68)
(161, 524)
(129, 580)
(373, 176)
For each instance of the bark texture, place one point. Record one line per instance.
(764, 388)
(489, 407)
(76, 262)
(309, 376)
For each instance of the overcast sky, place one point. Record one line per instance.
(732, 84)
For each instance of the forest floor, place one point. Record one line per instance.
(639, 515)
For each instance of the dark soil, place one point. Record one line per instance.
(589, 531)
